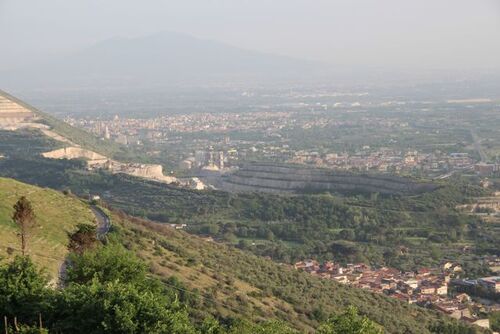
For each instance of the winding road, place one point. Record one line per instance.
(103, 222)
(103, 227)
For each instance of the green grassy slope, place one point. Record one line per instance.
(82, 137)
(56, 215)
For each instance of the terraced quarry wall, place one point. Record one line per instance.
(13, 113)
(294, 178)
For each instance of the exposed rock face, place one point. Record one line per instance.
(73, 153)
(96, 161)
(13, 114)
(294, 178)
(147, 171)
(153, 172)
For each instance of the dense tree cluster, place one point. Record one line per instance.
(311, 300)
(110, 291)
(107, 292)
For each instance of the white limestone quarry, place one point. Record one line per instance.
(15, 115)
(147, 171)
(74, 153)
(97, 161)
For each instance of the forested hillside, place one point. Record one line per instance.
(129, 284)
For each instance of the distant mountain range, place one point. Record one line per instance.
(161, 59)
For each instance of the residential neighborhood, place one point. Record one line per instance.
(440, 288)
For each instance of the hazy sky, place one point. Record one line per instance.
(463, 34)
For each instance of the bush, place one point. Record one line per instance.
(23, 292)
(350, 322)
(116, 307)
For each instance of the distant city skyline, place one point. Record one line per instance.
(393, 34)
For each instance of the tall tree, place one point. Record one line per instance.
(23, 290)
(24, 217)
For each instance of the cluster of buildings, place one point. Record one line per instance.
(278, 128)
(488, 285)
(209, 160)
(387, 160)
(487, 169)
(431, 288)
(132, 130)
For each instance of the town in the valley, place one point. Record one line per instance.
(341, 136)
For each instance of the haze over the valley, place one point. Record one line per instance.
(58, 43)
(250, 166)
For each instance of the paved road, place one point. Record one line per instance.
(103, 222)
(103, 226)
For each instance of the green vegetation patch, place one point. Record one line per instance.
(56, 216)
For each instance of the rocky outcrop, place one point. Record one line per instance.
(73, 153)
(147, 171)
(295, 178)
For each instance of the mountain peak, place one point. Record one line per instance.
(161, 59)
